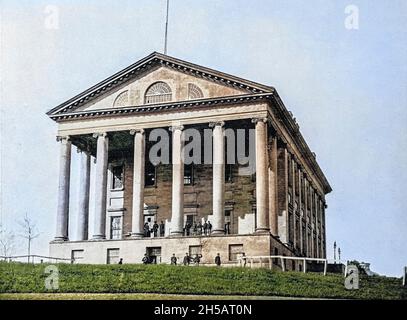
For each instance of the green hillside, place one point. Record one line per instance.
(165, 279)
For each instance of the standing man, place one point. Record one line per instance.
(155, 229)
(162, 229)
(173, 260)
(187, 228)
(120, 261)
(243, 259)
(209, 227)
(146, 230)
(199, 226)
(197, 260)
(217, 260)
(186, 259)
(205, 228)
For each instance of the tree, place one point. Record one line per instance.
(7, 242)
(29, 232)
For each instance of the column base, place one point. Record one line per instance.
(61, 239)
(262, 230)
(176, 234)
(137, 235)
(98, 237)
(218, 231)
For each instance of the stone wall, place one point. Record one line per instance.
(239, 195)
(133, 250)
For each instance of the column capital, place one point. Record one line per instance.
(134, 131)
(260, 119)
(100, 134)
(216, 123)
(63, 138)
(176, 127)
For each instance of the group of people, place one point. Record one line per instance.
(195, 229)
(187, 259)
(198, 228)
(195, 260)
(156, 230)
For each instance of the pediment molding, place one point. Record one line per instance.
(146, 64)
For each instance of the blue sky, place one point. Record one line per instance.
(347, 89)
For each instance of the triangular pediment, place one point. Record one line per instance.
(185, 81)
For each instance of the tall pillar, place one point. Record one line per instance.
(273, 204)
(84, 188)
(305, 236)
(293, 197)
(300, 209)
(99, 231)
(312, 222)
(63, 189)
(218, 169)
(177, 218)
(138, 184)
(262, 186)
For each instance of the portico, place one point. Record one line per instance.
(99, 144)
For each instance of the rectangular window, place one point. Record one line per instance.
(228, 221)
(113, 256)
(235, 251)
(188, 174)
(195, 250)
(150, 174)
(229, 173)
(77, 256)
(118, 176)
(155, 254)
(115, 228)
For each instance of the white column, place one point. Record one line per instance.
(273, 194)
(63, 189)
(138, 184)
(84, 187)
(262, 184)
(300, 208)
(218, 168)
(99, 231)
(177, 218)
(293, 197)
(305, 236)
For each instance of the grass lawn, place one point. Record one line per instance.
(128, 296)
(23, 281)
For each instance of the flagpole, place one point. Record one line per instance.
(166, 28)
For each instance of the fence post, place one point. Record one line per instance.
(325, 267)
(282, 264)
(270, 263)
(305, 265)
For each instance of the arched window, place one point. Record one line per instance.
(158, 92)
(122, 99)
(194, 92)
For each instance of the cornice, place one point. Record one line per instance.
(163, 107)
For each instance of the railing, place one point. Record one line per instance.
(243, 261)
(35, 259)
